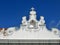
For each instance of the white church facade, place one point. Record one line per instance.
(31, 29)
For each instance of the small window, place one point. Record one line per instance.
(55, 32)
(33, 22)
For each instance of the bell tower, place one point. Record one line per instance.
(32, 20)
(32, 14)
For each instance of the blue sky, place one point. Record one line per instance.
(11, 12)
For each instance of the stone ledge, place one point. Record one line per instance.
(28, 41)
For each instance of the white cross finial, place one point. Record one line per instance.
(32, 8)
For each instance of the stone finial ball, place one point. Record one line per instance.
(41, 17)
